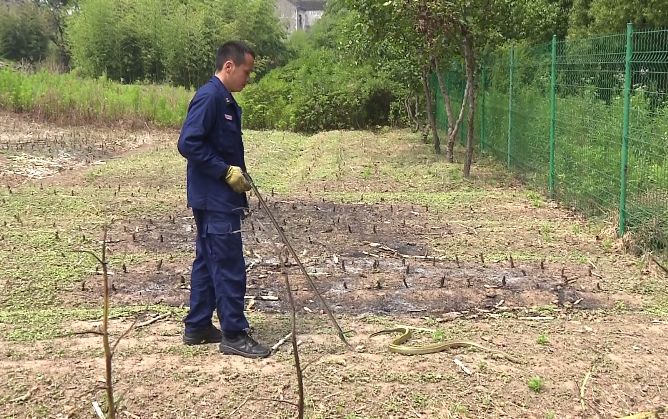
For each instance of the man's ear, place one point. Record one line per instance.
(228, 65)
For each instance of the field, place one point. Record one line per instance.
(392, 234)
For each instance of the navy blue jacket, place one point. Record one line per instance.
(211, 141)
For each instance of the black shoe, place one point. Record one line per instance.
(244, 345)
(207, 335)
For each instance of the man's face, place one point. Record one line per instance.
(236, 76)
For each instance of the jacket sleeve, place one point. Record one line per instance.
(194, 143)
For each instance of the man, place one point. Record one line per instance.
(211, 142)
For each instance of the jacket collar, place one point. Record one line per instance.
(223, 90)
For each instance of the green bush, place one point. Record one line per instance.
(318, 91)
(24, 33)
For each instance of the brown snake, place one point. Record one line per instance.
(397, 345)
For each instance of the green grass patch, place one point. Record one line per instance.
(79, 100)
(658, 305)
(30, 324)
(536, 384)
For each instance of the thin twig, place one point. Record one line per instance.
(24, 397)
(108, 353)
(308, 364)
(395, 252)
(281, 342)
(295, 345)
(592, 264)
(239, 407)
(583, 389)
(86, 332)
(153, 320)
(98, 410)
(124, 334)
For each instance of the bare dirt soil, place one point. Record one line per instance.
(503, 268)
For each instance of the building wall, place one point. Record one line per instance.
(311, 17)
(294, 18)
(287, 13)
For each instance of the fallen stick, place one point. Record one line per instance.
(370, 254)
(536, 318)
(592, 264)
(281, 342)
(239, 407)
(261, 297)
(153, 320)
(98, 410)
(86, 332)
(23, 397)
(461, 366)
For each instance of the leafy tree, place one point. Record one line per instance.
(592, 17)
(437, 35)
(57, 12)
(172, 40)
(24, 33)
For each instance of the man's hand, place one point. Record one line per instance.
(235, 178)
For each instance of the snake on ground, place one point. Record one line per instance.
(397, 345)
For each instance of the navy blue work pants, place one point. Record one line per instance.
(218, 280)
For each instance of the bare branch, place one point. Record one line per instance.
(124, 334)
(295, 346)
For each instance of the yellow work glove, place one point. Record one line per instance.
(236, 180)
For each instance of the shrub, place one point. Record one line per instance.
(318, 91)
(24, 33)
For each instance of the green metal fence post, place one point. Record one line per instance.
(510, 102)
(553, 114)
(625, 128)
(482, 109)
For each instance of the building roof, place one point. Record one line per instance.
(309, 5)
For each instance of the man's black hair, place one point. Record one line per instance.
(232, 50)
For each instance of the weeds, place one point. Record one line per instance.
(536, 384)
(543, 339)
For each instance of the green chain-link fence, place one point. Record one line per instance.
(587, 122)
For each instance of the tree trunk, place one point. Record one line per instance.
(430, 112)
(445, 94)
(452, 137)
(453, 124)
(470, 83)
(417, 113)
(413, 117)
